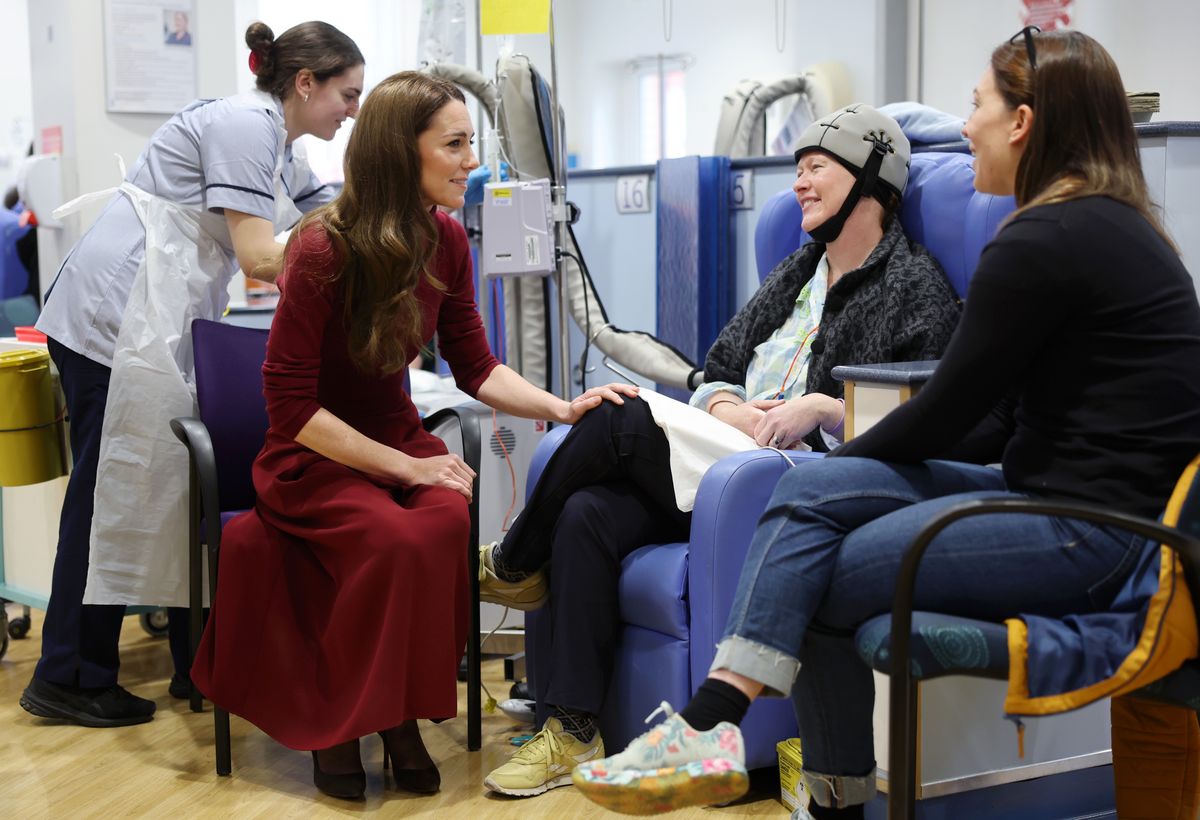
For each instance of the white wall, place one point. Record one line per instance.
(729, 41)
(1150, 42)
(67, 60)
(16, 103)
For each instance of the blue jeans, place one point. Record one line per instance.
(826, 555)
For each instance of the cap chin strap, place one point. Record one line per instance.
(831, 228)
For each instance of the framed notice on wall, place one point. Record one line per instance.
(149, 55)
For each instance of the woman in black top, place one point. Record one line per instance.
(1076, 365)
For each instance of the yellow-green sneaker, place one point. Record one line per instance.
(544, 762)
(527, 594)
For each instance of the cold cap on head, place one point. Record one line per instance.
(852, 134)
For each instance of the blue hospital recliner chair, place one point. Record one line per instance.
(674, 598)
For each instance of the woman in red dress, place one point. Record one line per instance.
(342, 603)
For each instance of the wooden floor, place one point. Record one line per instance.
(165, 768)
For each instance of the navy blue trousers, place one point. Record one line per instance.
(79, 643)
(604, 493)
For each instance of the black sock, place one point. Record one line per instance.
(579, 724)
(503, 572)
(820, 812)
(714, 702)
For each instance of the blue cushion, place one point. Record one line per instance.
(940, 645)
(653, 589)
(649, 668)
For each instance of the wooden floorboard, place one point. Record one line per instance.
(165, 768)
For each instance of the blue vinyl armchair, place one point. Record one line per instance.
(675, 598)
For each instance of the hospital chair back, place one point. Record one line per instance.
(17, 312)
(229, 393)
(940, 210)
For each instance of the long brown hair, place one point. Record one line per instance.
(1082, 141)
(317, 46)
(384, 236)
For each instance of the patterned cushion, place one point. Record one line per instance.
(941, 645)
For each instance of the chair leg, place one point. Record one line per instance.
(474, 654)
(902, 740)
(195, 580)
(221, 732)
(220, 716)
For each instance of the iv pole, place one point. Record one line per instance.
(558, 206)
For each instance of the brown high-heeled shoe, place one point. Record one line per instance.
(426, 780)
(346, 786)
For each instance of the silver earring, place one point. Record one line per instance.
(306, 98)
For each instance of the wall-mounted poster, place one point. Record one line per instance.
(149, 55)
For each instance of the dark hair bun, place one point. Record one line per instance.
(259, 38)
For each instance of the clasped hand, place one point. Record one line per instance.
(787, 423)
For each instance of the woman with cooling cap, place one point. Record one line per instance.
(626, 475)
(1081, 379)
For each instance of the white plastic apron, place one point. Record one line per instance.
(139, 526)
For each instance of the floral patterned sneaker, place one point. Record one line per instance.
(669, 767)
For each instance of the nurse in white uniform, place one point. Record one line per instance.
(208, 195)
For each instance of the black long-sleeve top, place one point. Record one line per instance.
(1078, 353)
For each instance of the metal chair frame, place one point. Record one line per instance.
(902, 728)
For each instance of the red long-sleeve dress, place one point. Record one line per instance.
(341, 606)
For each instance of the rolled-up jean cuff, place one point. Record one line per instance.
(775, 670)
(838, 791)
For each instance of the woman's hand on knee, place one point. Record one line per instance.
(616, 392)
(448, 471)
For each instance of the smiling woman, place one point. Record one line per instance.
(361, 516)
(447, 156)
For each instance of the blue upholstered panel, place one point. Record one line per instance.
(541, 454)
(777, 234)
(695, 270)
(730, 500)
(653, 589)
(650, 668)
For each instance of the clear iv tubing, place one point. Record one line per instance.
(492, 149)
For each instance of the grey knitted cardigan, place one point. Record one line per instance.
(899, 306)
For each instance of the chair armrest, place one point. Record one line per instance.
(541, 456)
(468, 426)
(729, 501)
(1187, 546)
(194, 435)
(910, 374)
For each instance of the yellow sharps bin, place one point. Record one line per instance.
(30, 434)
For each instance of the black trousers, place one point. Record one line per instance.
(79, 643)
(605, 492)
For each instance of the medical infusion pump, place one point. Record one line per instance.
(518, 229)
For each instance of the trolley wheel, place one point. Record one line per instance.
(154, 623)
(18, 627)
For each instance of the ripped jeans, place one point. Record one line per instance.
(825, 557)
